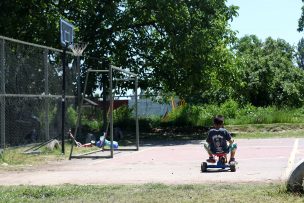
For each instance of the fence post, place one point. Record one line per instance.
(111, 107)
(136, 114)
(2, 93)
(46, 90)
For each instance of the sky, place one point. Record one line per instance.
(268, 18)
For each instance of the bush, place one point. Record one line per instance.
(266, 115)
(184, 115)
(229, 109)
(148, 123)
(72, 116)
(122, 117)
(187, 115)
(206, 115)
(90, 120)
(234, 114)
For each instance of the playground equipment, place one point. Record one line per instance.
(110, 143)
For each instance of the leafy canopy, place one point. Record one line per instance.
(174, 46)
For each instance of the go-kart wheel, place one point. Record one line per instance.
(232, 167)
(204, 167)
(223, 160)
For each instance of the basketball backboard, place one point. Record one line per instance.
(66, 32)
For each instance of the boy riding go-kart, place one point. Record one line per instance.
(217, 146)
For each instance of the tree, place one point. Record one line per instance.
(300, 54)
(30, 20)
(268, 72)
(174, 46)
(301, 20)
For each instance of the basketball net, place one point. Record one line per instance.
(78, 48)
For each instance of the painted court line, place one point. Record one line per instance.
(292, 158)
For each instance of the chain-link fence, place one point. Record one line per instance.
(30, 91)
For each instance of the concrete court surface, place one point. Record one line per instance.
(259, 160)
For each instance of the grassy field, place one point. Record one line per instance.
(150, 193)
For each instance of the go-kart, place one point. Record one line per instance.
(221, 163)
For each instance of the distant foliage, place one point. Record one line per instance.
(123, 117)
(267, 73)
(300, 54)
(234, 113)
(90, 119)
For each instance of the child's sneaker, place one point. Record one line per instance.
(232, 160)
(211, 160)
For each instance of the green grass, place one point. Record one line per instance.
(278, 130)
(14, 159)
(274, 127)
(266, 135)
(248, 131)
(150, 193)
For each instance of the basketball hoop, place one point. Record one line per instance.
(78, 48)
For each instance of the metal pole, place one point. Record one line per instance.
(63, 99)
(2, 85)
(46, 90)
(136, 114)
(79, 111)
(78, 80)
(136, 102)
(124, 71)
(104, 104)
(111, 109)
(78, 90)
(98, 71)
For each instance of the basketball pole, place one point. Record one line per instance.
(63, 98)
(66, 39)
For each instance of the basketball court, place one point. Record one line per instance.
(259, 160)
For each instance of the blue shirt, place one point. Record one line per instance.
(217, 139)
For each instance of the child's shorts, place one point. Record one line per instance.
(230, 147)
